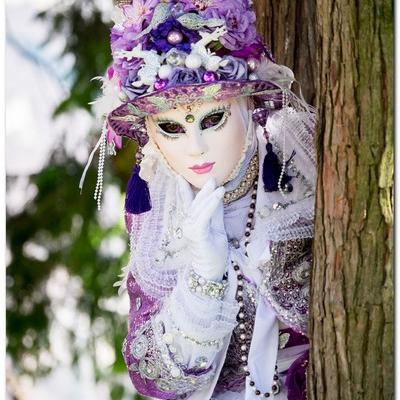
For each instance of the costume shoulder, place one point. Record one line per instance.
(289, 218)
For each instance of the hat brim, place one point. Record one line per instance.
(128, 119)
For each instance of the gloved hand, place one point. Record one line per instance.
(204, 230)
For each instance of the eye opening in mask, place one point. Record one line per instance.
(212, 120)
(216, 118)
(170, 127)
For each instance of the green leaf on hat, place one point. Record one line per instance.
(212, 90)
(159, 102)
(135, 111)
(194, 21)
(247, 90)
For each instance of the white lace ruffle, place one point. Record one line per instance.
(201, 316)
(198, 326)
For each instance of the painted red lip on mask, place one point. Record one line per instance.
(203, 168)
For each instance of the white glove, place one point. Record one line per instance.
(204, 230)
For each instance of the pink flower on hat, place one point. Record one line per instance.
(139, 11)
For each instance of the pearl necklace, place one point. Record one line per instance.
(275, 388)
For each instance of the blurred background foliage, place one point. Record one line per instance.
(62, 227)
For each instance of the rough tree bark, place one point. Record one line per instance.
(288, 27)
(345, 48)
(352, 289)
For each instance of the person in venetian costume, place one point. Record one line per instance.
(219, 208)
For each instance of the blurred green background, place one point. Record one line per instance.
(65, 320)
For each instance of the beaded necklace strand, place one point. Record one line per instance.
(241, 317)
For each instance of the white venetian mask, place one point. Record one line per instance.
(202, 141)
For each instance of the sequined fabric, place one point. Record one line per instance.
(286, 281)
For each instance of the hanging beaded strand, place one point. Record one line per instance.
(244, 350)
(100, 170)
(284, 108)
(250, 214)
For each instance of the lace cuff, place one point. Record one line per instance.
(198, 325)
(201, 316)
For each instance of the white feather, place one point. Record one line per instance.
(109, 100)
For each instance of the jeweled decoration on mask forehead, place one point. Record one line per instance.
(160, 84)
(209, 76)
(189, 118)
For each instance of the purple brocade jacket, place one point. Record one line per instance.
(285, 288)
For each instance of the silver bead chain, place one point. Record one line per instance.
(284, 105)
(241, 317)
(100, 170)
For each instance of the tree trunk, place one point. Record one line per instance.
(343, 51)
(352, 290)
(288, 26)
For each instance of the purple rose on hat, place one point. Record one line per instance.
(121, 40)
(159, 37)
(234, 69)
(125, 68)
(185, 76)
(255, 50)
(128, 89)
(239, 21)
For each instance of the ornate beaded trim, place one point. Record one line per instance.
(122, 3)
(245, 184)
(203, 343)
(243, 335)
(213, 289)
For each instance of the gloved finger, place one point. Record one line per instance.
(217, 219)
(204, 216)
(204, 192)
(185, 192)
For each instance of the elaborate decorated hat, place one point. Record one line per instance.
(173, 52)
(168, 53)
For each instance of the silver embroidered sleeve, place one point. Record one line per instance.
(159, 361)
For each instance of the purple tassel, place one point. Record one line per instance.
(272, 171)
(137, 200)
